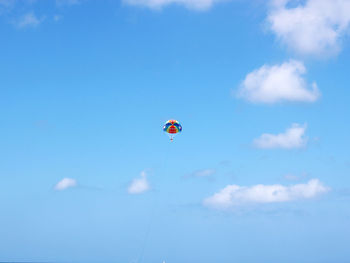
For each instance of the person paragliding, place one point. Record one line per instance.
(172, 127)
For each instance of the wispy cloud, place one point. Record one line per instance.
(139, 185)
(313, 28)
(235, 195)
(65, 183)
(292, 138)
(7, 3)
(57, 18)
(68, 2)
(278, 83)
(28, 20)
(203, 173)
(293, 177)
(199, 5)
(22, 13)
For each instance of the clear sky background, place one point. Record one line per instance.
(259, 174)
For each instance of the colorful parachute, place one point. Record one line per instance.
(172, 127)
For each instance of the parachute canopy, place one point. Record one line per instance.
(172, 127)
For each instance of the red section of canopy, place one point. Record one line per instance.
(172, 129)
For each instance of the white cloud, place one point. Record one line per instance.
(277, 83)
(65, 183)
(293, 137)
(314, 28)
(235, 195)
(199, 5)
(28, 20)
(139, 185)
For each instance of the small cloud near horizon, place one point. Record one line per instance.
(139, 185)
(294, 137)
(65, 183)
(234, 195)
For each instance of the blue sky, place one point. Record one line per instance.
(260, 172)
